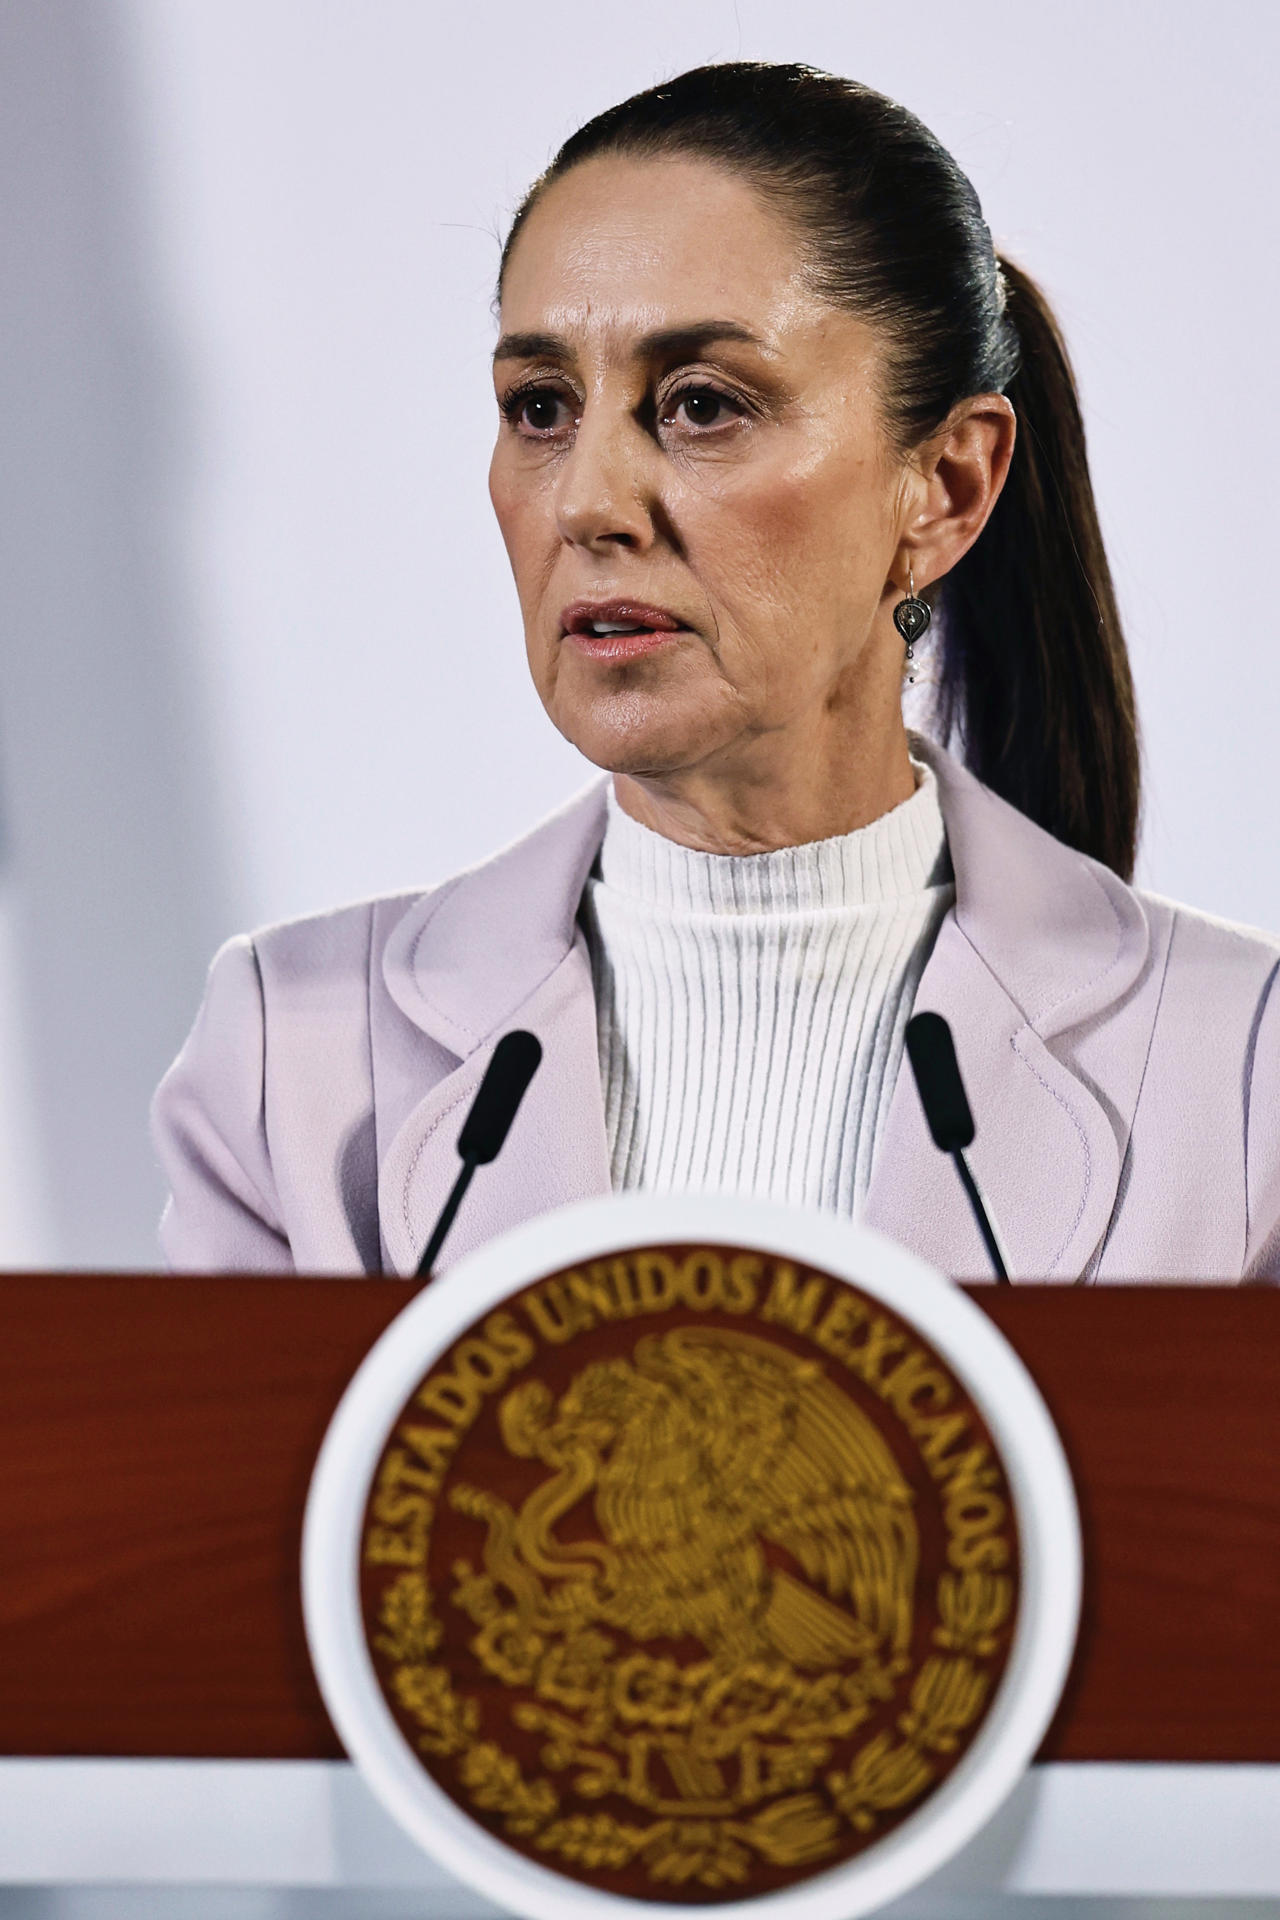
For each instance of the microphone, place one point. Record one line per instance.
(514, 1063)
(932, 1053)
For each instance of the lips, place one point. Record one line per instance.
(586, 617)
(616, 631)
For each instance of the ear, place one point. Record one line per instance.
(963, 466)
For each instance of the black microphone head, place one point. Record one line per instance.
(932, 1053)
(514, 1063)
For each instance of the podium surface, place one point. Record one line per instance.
(160, 1433)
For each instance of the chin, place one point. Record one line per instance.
(638, 734)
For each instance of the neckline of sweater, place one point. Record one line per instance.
(900, 855)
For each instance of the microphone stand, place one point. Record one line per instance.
(985, 1227)
(513, 1065)
(932, 1053)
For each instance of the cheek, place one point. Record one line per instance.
(799, 543)
(505, 499)
(527, 528)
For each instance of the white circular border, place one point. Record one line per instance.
(1001, 1387)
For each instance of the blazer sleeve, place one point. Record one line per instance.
(209, 1127)
(1262, 1142)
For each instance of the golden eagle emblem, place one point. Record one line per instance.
(708, 1461)
(703, 1446)
(706, 1605)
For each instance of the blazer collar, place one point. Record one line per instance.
(466, 955)
(1062, 934)
(497, 947)
(1040, 943)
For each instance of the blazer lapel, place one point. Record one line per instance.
(1044, 967)
(1044, 1153)
(1041, 951)
(499, 947)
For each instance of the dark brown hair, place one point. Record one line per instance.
(1035, 677)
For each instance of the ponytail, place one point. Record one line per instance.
(1035, 675)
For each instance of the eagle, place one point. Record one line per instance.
(739, 1496)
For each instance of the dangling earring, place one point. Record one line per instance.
(911, 617)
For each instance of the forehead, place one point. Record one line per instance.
(621, 244)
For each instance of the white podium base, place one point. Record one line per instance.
(252, 1829)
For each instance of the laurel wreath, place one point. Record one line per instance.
(886, 1775)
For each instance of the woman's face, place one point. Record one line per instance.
(690, 449)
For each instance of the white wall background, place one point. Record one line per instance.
(260, 651)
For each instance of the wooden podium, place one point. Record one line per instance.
(160, 1432)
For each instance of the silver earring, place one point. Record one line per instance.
(911, 617)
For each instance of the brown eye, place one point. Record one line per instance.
(701, 406)
(538, 410)
(533, 411)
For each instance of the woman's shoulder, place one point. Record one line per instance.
(1214, 1040)
(502, 909)
(1199, 942)
(1212, 1074)
(333, 941)
(319, 963)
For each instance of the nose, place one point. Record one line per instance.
(601, 493)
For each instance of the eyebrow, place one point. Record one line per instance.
(687, 339)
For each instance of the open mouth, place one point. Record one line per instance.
(619, 630)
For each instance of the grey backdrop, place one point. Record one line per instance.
(246, 558)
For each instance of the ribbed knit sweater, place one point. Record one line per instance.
(751, 1008)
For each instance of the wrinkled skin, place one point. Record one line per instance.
(745, 485)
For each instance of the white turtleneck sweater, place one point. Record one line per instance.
(751, 1008)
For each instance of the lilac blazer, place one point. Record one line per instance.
(1122, 1056)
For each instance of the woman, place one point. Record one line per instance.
(764, 385)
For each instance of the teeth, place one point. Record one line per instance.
(615, 626)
